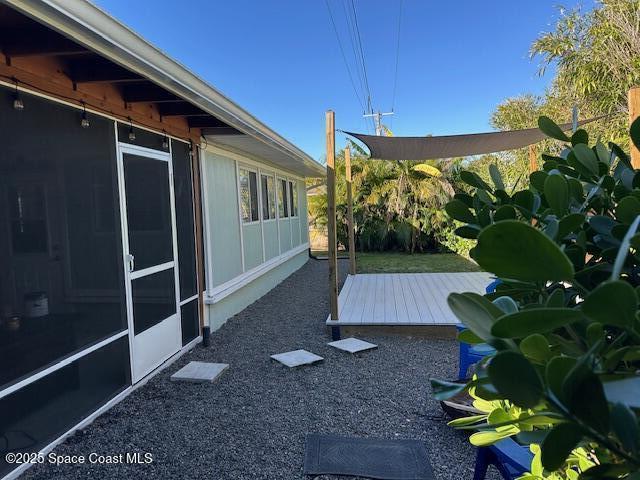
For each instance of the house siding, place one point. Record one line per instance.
(223, 232)
(245, 260)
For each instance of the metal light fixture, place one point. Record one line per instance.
(132, 134)
(84, 123)
(165, 140)
(17, 101)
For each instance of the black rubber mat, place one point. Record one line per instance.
(366, 457)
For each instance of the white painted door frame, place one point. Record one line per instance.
(150, 348)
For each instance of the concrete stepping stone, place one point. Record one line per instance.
(352, 345)
(199, 372)
(297, 358)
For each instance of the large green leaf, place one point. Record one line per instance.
(535, 320)
(467, 336)
(556, 191)
(559, 444)
(586, 157)
(524, 199)
(580, 136)
(536, 347)
(505, 212)
(468, 231)
(506, 304)
(625, 425)
(496, 177)
(516, 250)
(612, 303)
(628, 209)
(623, 250)
(587, 385)
(474, 180)
(515, 378)
(557, 370)
(570, 224)
(551, 129)
(443, 390)
(621, 154)
(537, 180)
(603, 154)
(459, 211)
(475, 311)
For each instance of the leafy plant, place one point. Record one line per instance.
(564, 320)
(397, 205)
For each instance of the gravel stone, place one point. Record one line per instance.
(251, 423)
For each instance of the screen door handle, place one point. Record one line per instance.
(131, 262)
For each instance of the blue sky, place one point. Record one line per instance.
(280, 60)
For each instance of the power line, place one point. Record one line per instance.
(395, 76)
(364, 64)
(370, 126)
(344, 57)
(352, 41)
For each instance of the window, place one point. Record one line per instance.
(283, 205)
(268, 197)
(248, 181)
(293, 199)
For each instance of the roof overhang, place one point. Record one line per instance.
(91, 27)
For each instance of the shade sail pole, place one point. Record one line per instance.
(350, 225)
(331, 214)
(533, 158)
(634, 112)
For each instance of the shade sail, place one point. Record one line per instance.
(449, 146)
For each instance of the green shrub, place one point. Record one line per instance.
(565, 320)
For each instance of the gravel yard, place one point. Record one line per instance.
(251, 424)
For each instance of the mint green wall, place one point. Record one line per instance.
(295, 229)
(225, 250)
(252, 240)
(304, 217)
(224, 221)
(219, 312)
(271, 244)
(285, 234)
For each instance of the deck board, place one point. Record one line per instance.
(404, 298)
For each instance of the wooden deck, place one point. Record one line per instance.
(403, 299)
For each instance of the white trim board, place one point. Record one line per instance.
(88, 420)
(62, 363)
(225, 289)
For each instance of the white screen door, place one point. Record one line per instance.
(149, 238)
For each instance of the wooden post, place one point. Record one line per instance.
(331, 214)
(197, 203)
(533, 158)
(634, 112)
(350, 224)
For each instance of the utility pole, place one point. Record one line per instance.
(377, 118)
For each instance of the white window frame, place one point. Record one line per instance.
(293, 196)
(250, 163)
(285, 199)
(269, 174)
(257, 172)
